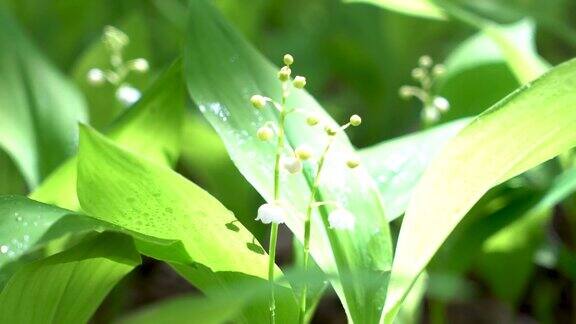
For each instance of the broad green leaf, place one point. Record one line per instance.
(68, 287)
(204, 156)
(25, 223)
(28, 228)
(398, 164)
(530, 126)
(515, 42)
(152, 128)
(39, 108)
(222, 72)
(141, 196)
(213, 310)
(419, 8)
(518, 46)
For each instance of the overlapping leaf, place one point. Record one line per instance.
(147, 198)
(68, 287)
(398, 164)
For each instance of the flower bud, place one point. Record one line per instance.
(355, 120)
(258, 101)
(406, 92)
(284, 73)
(264, 133)
(418, 73)
(441, 104)
(292, 164)
(127, 94)
(352, 163)
(430, 114)
(139, 65)
(299, 82)
(303, 152)
(288, 59)
(96, 76)
(312, 120)
(271, 213)
(425, 61)
(330, 130)
(439, 70)
(114, 38)
(341, 219)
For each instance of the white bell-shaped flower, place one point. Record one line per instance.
(341, 219)
(441, 104)
(96, 76)
(292, 164)
(271, 213)
(127, 94)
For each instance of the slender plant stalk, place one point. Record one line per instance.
(307, 230)
(274, 226)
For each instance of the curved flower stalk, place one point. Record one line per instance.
(427, 74)
(274, 213)
(115, 41)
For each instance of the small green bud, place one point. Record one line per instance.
(264, 133)
(288, 59)
(352, 163)
(258, 101)
(355, 120)
(299, 82)
(114, 38)
(425, 61)
(439, 69)
(284, 73)
(312, 120)
(330, 130)
(139, 65)
(302, 152)
(418, 73)
(406, 92)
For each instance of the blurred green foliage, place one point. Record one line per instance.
(355, 57)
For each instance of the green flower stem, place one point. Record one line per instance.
(274, 227)
(307, 229)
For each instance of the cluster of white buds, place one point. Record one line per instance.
(427, 74)
(116, 41)
(293, 163)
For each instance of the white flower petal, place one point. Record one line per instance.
(95, 76)
(292, 164)
(271, 213)
(441, 103)
(127, 94)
